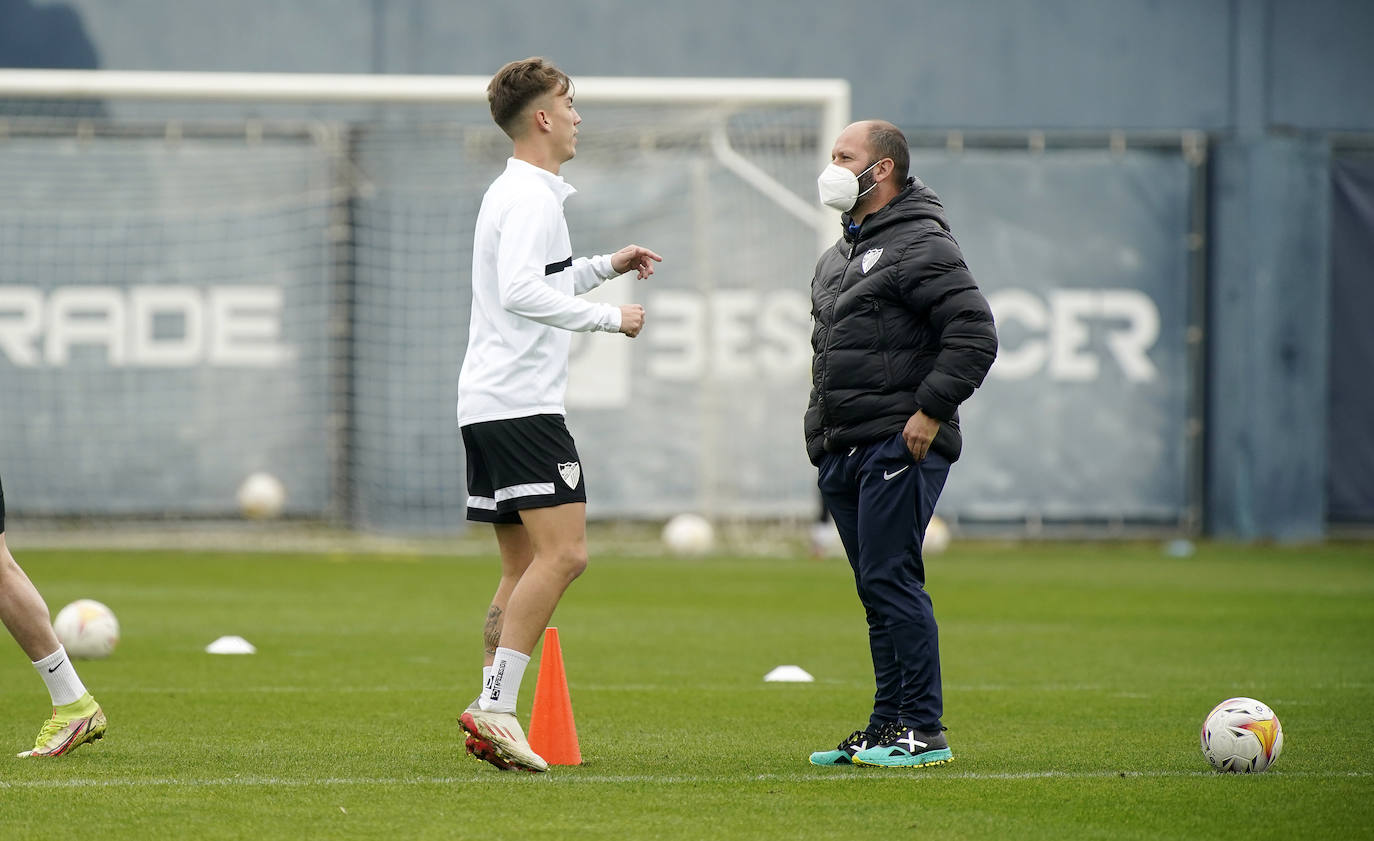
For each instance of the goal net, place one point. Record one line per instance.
(205, 276)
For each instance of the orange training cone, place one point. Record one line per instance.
(553, 735)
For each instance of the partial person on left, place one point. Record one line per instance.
(76, 717)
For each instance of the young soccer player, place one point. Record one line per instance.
(76, 717)
(523, 472)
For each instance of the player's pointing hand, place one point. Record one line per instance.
(635, 258)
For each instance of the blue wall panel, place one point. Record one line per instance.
(1350, 477)
(1269, 314)
(1321, 72)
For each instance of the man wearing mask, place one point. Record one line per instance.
(901, 337)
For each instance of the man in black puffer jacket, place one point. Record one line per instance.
(902, 336)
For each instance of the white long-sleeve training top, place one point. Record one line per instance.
(524, 280)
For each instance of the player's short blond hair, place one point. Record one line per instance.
(517, 85)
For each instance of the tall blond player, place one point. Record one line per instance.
(523, 472)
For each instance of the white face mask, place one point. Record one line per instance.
(839, 187)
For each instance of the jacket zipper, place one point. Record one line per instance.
(829, 334)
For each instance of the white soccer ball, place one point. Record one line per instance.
(261, 497)
(1241, 735)
(937, 537)
(825, 539)
(87, 629)
(689, 534)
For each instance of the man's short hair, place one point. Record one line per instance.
(887, 141)
(517, 85)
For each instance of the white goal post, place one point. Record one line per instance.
(832, 96)
(210, 275)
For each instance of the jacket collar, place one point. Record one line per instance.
(914, 200)
(562, 189)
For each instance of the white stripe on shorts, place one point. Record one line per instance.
(517, 491)
(484, 502)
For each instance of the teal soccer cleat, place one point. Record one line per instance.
(844, 751)
(907, 747)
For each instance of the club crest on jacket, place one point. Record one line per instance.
(870, 257)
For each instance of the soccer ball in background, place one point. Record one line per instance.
(689, 534)
(261, 497)
(87, 629)
(937, 537)
(1241, 735)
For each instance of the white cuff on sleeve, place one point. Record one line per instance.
(601, 264)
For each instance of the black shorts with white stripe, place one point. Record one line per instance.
(520, 463)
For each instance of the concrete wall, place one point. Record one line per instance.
(1267, 79)
(977, 64)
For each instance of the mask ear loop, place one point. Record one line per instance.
(872, 186)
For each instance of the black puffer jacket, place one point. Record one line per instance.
(899, 325)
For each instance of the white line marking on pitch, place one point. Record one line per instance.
(655, 687)
(575, 778)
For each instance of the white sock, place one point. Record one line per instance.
(486, 682)
(59, 674)
(507, 670)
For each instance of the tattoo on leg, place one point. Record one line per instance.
(491, 632)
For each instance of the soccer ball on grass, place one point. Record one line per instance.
(937, 537)
(87, 629)
(689, 534)
(1241, 735)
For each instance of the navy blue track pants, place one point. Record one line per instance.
(881, 499)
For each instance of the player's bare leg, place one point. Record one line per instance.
(23, 610)
(77, 718)
(517, 552)
(558, 537)
(513, 542)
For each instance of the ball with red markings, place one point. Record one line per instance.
(87, 629)
(1241, 735)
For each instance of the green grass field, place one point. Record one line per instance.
(1076, 679)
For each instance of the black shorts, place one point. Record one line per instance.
(2, 508)
(520, 463)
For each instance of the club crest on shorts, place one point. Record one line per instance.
(571, 471)
(870, 257)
